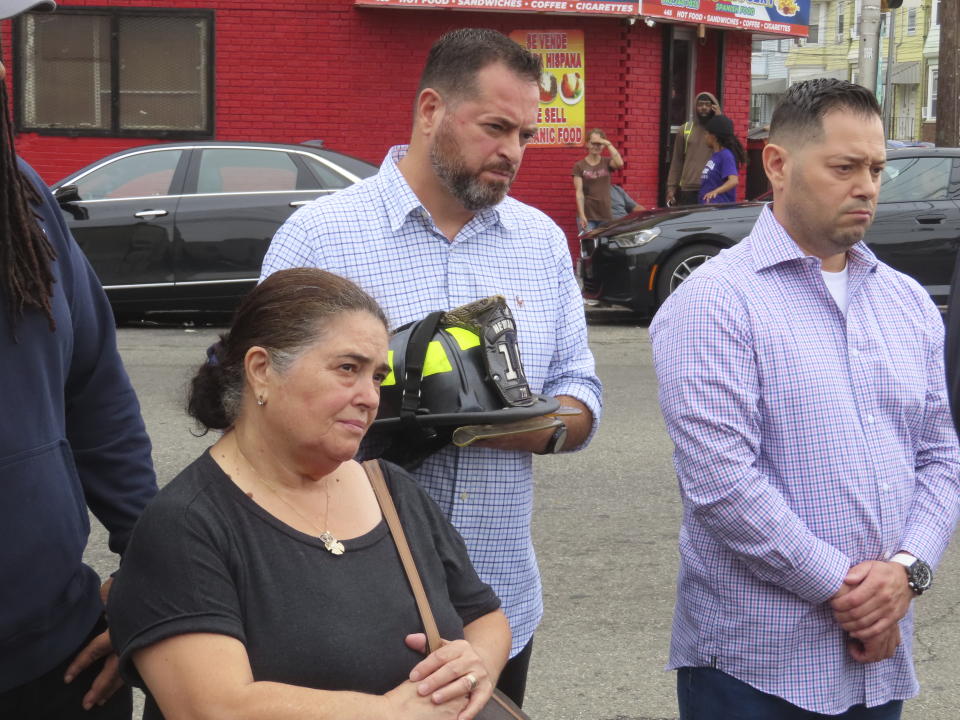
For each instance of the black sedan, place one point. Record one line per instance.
(639, 260)
(183, 227)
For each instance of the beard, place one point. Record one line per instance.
(461, 182)
(818, 232)
(705, 117)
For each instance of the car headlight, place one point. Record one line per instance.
(634, 239)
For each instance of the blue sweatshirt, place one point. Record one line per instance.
(71, 437)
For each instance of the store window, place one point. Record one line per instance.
(155, 78)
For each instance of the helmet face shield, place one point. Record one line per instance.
(452, 369)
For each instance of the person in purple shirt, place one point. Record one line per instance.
(720, 176)
(802, 383)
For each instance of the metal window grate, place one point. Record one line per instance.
(115, 72)
(163, 71)
(67, 80)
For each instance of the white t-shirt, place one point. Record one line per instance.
(837, 285)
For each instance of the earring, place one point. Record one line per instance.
(260, 401)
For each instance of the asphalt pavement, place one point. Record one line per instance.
(605, 528)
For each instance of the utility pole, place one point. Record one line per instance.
(888, 80)
(948, 76)
(869, 44)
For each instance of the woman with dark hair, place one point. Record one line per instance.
(263, 582)
(720, 177)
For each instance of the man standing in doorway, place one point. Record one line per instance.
(690, 154)
(802, 383)
(433, 230)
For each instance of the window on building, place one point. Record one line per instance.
(935, 21)
(818, 25)
(116, 72)
(841, 12)
(855, 25)
(931, 110)
(912, 21)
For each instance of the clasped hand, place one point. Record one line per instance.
(451, 682)
(108, 680)
(873, 598)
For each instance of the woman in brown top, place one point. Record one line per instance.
(591, 180)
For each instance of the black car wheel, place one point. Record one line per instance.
(680, 265)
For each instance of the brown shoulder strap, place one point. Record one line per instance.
(389, 510)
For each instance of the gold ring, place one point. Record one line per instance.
(472, 679)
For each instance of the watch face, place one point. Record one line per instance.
(921, 577)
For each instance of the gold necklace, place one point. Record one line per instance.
(332, 545)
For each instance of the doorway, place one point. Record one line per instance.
(679, 73)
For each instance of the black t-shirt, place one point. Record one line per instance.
(204, 557)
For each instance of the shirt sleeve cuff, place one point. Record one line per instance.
(820, 576)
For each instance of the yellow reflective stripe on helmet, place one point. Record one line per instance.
(435, 362)
(390, 379)
(466, 339)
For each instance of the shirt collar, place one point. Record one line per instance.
(772, 245)
(403, 201)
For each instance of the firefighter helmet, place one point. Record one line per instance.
(451, 369)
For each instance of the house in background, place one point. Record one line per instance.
(768, 73)
(832, 50)
(928, 72)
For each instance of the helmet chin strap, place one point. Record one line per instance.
(414, 359)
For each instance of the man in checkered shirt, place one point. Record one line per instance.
(434, 230)
(802, 383)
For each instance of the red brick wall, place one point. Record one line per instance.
(289, 71)
(642, 61)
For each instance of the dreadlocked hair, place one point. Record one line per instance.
(25, 251)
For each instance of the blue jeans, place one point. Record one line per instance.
(705, 693)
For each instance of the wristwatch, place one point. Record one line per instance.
(556, 441)
(919, 574)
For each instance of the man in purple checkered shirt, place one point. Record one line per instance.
(802, 383)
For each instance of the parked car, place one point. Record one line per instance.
(183, 227)
(639, 260)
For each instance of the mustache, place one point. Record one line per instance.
(504, 167)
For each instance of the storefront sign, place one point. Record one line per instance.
(563, 85)
(576, 7)
(780, 17)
